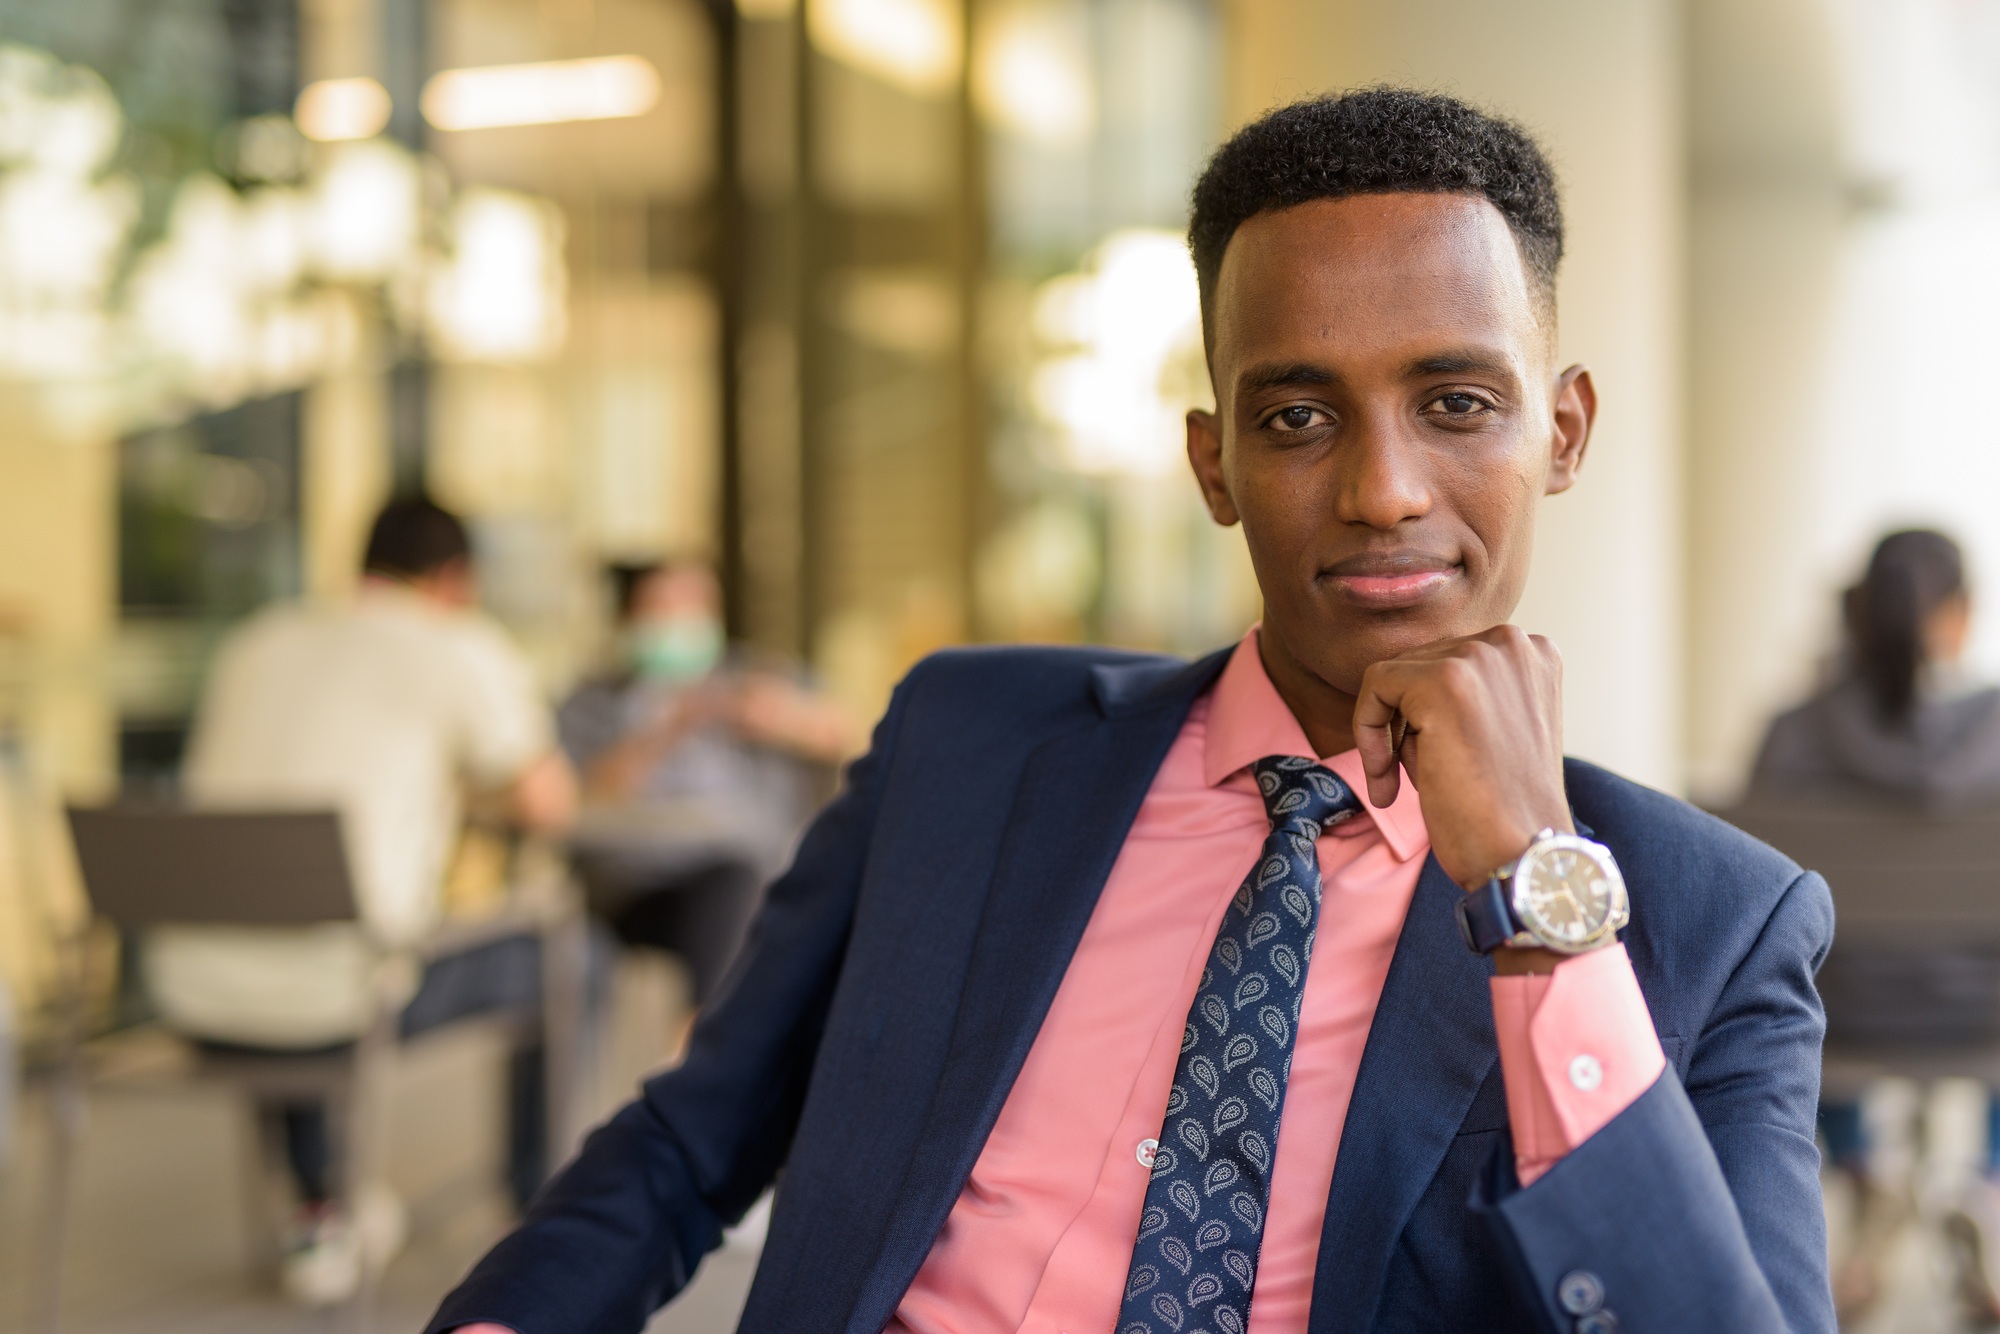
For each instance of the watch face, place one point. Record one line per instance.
(1566, 893)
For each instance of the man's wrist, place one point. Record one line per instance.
(1529, 960)
(1506, 915)
(1556, 821)
(1533, 960)
(1560, 823)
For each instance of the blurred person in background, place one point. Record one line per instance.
(393, 710)
(699, 769)
(1900, 718)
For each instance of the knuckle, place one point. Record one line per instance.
(1457, 675)
(1481, 661)
(1377, 693)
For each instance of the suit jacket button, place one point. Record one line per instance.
(1597, 1322)
(1581, 1292)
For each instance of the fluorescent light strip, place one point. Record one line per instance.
(546, 93)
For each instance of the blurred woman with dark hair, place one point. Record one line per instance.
(1901, 720)
(1899, 717)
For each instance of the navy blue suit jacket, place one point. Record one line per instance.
(861, 1048)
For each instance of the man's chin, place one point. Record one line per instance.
(1342, 652)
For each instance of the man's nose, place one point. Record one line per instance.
(1383, 479)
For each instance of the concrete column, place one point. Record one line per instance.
(58, 592)
(1767, 237)
(1599, 82)
(58, 726)
(345, 449)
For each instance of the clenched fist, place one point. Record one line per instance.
(1477, 724)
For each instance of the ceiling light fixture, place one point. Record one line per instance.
(546, 93)
(916, 45)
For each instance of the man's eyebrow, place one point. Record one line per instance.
(1470, 360)
(1285, 375)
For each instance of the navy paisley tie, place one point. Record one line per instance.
(1195, 1260)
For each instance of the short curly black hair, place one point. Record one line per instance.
(1378, 141)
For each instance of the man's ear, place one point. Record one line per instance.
(1569, 434)
(1204, 451)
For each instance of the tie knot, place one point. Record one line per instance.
(1298, 791)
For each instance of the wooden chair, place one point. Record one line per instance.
(147, 866)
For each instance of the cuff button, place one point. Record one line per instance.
(1598, 1322)
(1581, 1293)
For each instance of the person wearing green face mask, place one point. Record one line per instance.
(676, 649)
(687, 752)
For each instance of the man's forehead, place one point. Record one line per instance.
(1361, 230)
(1374, 268)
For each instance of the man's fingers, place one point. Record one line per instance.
(1383, 783)
(1375, 722)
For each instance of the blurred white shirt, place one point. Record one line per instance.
(387, 711)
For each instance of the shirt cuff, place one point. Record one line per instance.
(1577, 1047)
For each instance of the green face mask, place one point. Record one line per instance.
(676, 650)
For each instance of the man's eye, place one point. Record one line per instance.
(1295, 419)
(1458, 405)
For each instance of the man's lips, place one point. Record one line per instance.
(1390, 581)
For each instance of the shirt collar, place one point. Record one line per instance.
(1248, 719)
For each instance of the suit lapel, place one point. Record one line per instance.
(1078, 795)
(1429, 1049)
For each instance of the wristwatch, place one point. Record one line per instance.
(1563, 894)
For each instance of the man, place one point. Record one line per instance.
(699, 770)
(1034, 1052)
(391, 710)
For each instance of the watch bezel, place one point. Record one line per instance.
(1536, 929)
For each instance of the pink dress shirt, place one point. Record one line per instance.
(1041, 1237)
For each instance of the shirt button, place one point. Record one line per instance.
(1585, 1074)
(1598, 1322)
(1580, 1292)
(1147, 1148)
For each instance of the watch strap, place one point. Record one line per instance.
(1486, 919)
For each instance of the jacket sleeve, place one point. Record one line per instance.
(620, 1230)
(1698, 1207)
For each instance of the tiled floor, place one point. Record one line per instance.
(158, 1236)
(157, 1240)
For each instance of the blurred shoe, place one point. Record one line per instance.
(382, 1225)
(322, 1265)
(1973, 1230)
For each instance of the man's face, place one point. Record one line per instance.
(1387, 418)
